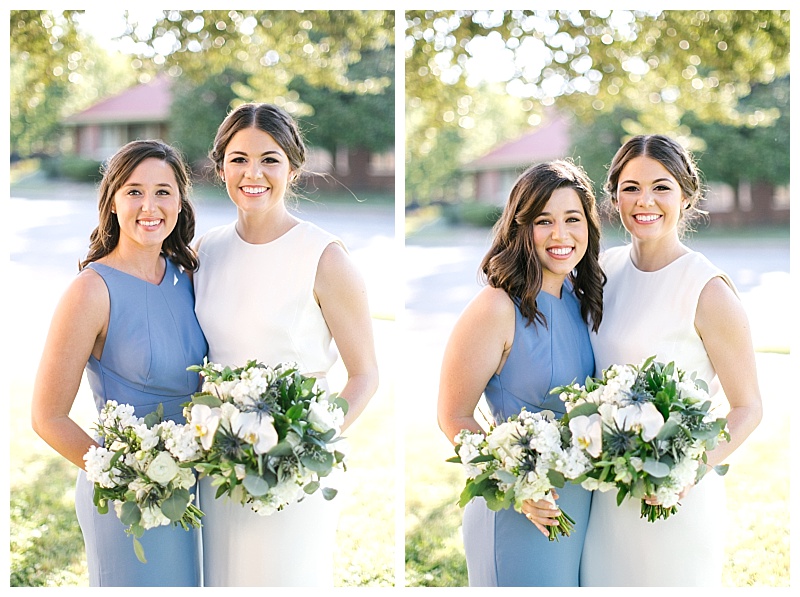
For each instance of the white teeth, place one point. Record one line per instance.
(149, 222)
(254, 189)
(642, 218)
(561, 251)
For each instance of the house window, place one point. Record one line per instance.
(381, 164)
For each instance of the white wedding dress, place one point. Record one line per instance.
(646, 314)
(257, 302)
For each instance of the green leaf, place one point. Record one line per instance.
(295, 412)
(721, 469)
(255, 485)
(669, 429)
(175, 505)
(311, 487)
(585, 409)
(282, 448)
(556, 478)
(329, 493)
(655, 468)
(130, 513)
(154, 418)
(470, 491)
(139, 551)
(207, 399)
(340, 402)
(320, 463)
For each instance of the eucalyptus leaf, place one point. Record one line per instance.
(282, 448)
(556, 478)
(175, 505)
(655, 468)
(585, 409)
(139, 551)
(206, 399)
(329, 493)
(255, 485)
(319, 463)
(130, 513)
(311, 487)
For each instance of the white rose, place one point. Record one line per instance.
(163, 468)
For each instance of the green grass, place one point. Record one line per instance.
(757, 542)
(46, 544)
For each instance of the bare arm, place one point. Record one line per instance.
(342, 296)
(76, 331)
(722, 324)
(476, 350)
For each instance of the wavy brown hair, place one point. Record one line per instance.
(512, 264)
(677, 160)
(116, 173)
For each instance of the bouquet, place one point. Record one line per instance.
(267, 434)
(646, 430)
(520, 459)
(145, 468)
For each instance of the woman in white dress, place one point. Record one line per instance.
(277, 289)
(664, 299)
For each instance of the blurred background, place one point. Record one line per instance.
(488, 93)
(84, 83)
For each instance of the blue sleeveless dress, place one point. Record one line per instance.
(153, 336)
(504, 549)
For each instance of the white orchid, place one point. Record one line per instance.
(205, 421)
(642, 418)
(256, 430)
(587, 433)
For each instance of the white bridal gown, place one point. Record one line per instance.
(257, 302)
(645, 314)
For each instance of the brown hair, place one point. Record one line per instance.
(116, 172)
(267, 118)
(677, 160)
(512, 264)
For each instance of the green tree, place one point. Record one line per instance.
(55, 70)
(658, 65)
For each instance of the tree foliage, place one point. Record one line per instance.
(656, 65)
(55, 70)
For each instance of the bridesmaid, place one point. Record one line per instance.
(277, 289)
(523, 334)
(128, 319)
(666, 300)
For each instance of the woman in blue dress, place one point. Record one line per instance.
(524, 333)
(128, 319)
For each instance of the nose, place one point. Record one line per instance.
(148, 202)
(559, 230)
(645, 198)
(254, 171)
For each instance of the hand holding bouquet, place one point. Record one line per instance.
(267, 434)
(520, 459)
(145, 468)
(646, 430)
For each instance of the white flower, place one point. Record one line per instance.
(256, 430)
(587, 433)
(152, 517)
(162, 469)
(205, 421)
(643, 418)
(323, 418)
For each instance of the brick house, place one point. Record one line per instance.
(143, 112)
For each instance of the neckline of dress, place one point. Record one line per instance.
(655, 271)
(268, 243)
(167, 264)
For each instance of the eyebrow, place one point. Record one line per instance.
(656, 180)
(569, 211)
(141, 184)
(265, 153)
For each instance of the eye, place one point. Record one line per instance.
(163, 192)
(573, 219)
(663, 187)
(270, 160)
(133, 192)
(629, 188)
(237, 160)
(543, 222)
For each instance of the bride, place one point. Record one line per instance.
(664, 299)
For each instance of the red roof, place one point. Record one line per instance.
(549, 141)
(149, 102)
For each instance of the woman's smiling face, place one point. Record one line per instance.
(649, 199)
(256, 170)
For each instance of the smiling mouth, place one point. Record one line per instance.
(254, 190)
(561, 251)
(646, 218)
(150, 223)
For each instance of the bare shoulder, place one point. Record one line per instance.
(336, 269)
(494, 302)
(719, 306)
